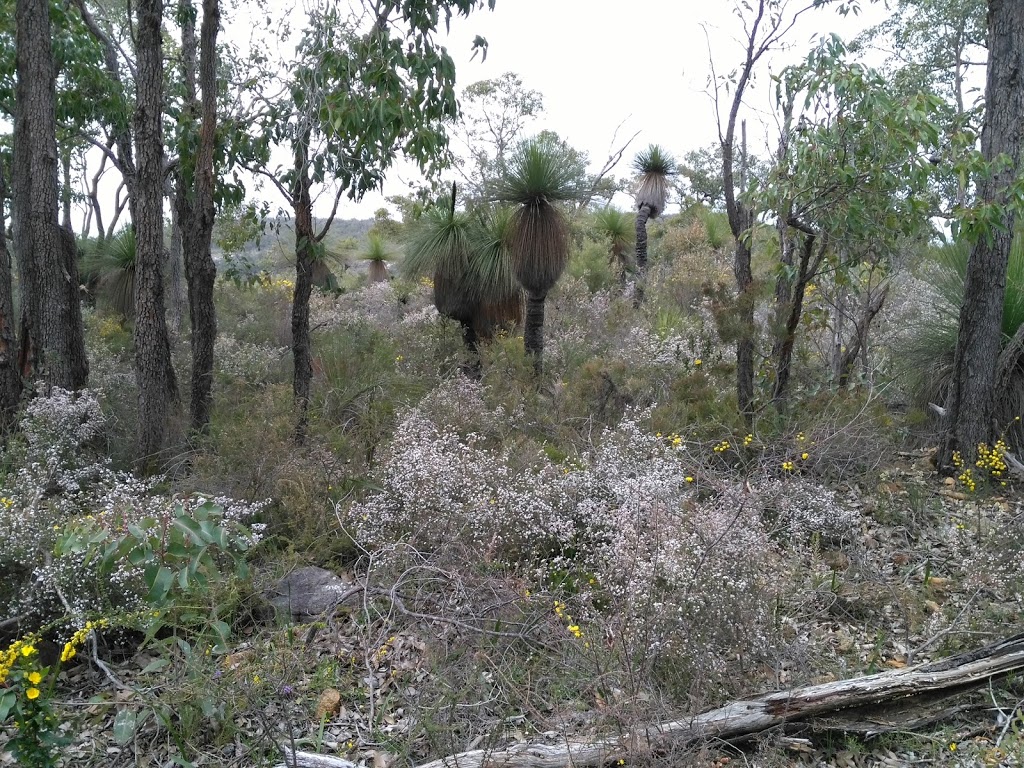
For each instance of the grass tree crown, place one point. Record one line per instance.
(536, 177)
(655, 167)
(467, 256)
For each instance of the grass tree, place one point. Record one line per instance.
(616, 228)
(501, 305)
(655, 166)
(467, 256)
(111, 264)
(536, 177)
(376, 255)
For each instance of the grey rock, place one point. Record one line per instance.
(308, 592)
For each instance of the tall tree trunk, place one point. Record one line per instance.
(794, 307)
(972, 393)
(177, 298)
(153, 372)
(10, 378)
(741, 219)
(55, 338)
(65, 188)
(533, 329)
(195, 204)
(305, 252)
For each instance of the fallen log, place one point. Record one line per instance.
(910, 694)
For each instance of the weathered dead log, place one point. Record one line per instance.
(861, 703)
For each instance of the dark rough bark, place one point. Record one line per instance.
(177, 298)
(153, 372)
(305, 252)
(642, 215)
(10, 378)
(794, 306)
(54, 340)
(972, 395)
(533, 329)
(65, 189)
(194, 202)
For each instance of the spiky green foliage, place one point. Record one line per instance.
(502, 296)
(467, 255)
(536, 177)
(617, 228)
(378, 255)
(537, 172)
(113, 262)
(439, 244)
(655, 167)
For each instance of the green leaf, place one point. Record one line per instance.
(124, 726)
(155, 666)
(222, 629)
(160, 586)
(7, 701)
(189, 526)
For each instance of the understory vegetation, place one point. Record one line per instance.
(602, 546)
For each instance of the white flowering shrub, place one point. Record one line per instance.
(55, 485)
(797, 510)
(670, 571)
(254, 363)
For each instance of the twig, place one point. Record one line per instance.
(935, 638)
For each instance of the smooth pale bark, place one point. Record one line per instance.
(972, 395)
(153, 371)
(53, 335)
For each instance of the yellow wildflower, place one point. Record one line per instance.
(32, 693)
(35, 678)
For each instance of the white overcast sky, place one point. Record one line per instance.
(644, 65)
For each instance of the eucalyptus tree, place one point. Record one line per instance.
(10, 376)
(990, 225)
(194, 195)
(495, 114)
(765, 24)
(851, 189)
(536, 178)
(359, 94)
(154, 373)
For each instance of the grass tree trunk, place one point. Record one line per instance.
(55, 338)
(533, 329)
(196, 209)
(305, 252)
(642, 215)
(10, 378)
(972, 395)
(153, 371)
